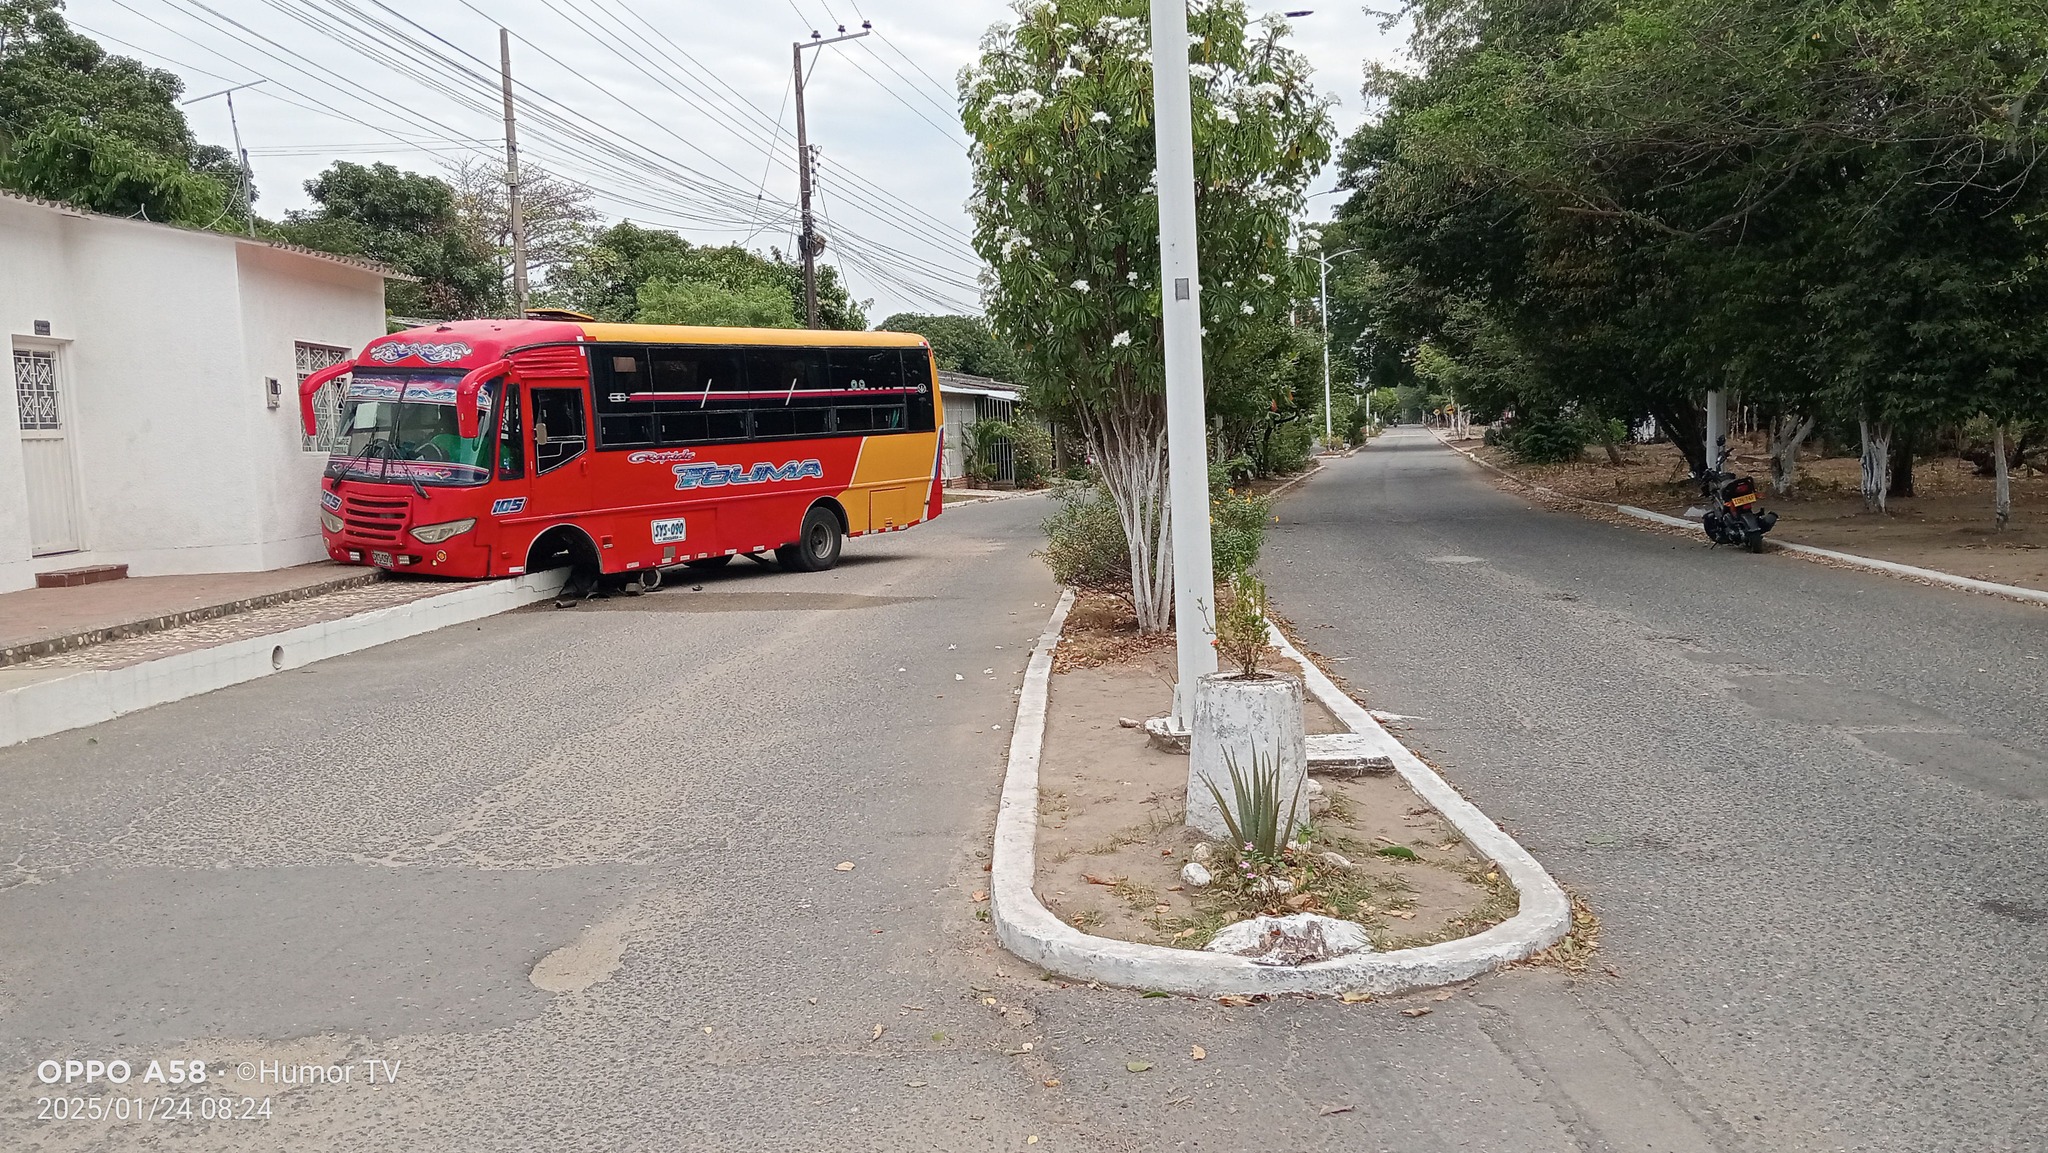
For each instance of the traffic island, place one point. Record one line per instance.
(1094, 876)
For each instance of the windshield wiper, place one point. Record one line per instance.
(384, 447)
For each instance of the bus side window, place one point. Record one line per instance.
(558, 436)
(511, 437)
(869, 384)
(917, 376)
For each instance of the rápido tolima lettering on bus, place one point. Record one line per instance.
(707, 474)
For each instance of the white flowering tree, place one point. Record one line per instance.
(1059, 108)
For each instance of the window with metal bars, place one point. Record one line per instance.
(309, 359)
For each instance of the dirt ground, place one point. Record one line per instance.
(1947, 527)
(1111, 843)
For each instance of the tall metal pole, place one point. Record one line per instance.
(807, 238)
(1180, 274)
(241, 153)
(1323, 306)
(514, 218)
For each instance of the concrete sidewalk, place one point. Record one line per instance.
(40, 621)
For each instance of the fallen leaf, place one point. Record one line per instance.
(1031, 1140)
(1137, 1066)
(1417, 1012)
(1095, 880)
(1166, 852)
(1443, 996)
(1175, 888)
(844, 866)
(1332, 1110)
(1162, 908)
(1185, 933)
(988, 1000)
(1233, 1000)
(1355, 998)
(916, 1084)
(979, 895)
(1156, 993)
(877, 1034)
(1198, 1053)
(1052, 1082)
(1404, 914)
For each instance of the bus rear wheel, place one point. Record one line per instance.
(817, 545)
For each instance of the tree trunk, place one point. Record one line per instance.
(1129, 442)
(1686, 425)
(2001, 499)
(1788, 432)
(1877, 447)
(1901, 483)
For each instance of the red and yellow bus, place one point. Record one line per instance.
(488, 448)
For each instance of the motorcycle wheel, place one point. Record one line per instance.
(1754, 542)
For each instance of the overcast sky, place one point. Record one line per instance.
(675, 113)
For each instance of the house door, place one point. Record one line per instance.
(46, 456)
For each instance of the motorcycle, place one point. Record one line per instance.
(1732, 515)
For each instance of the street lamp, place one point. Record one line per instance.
(241, 154)
(1325, 260)
(1180, 278)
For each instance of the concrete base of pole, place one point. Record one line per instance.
(1252, 723)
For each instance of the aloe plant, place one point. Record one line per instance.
(1257, 822)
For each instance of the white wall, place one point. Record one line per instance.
(287, 298)
(182, 466)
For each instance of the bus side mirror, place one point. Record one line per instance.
(468, 413)
(312, 384)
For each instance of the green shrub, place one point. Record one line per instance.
(1085, 545)
(1237, 530)
(1030, 453)
(1084, 540)
(1539, 436)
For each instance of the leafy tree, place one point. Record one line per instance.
(406, 220)
(66, 160)
(1066, 215)
(100, 131)
(606, 278)
(753, 303)
(556, 214)
(1611, 208)
(961, 344)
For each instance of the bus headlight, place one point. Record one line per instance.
(329, 521)
(436, 533)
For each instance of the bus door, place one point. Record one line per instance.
(560, 482)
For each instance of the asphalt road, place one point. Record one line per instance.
(573, 872)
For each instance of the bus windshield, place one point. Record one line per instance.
(401, 427)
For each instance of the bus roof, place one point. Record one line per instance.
(468, 344)
(775, 337)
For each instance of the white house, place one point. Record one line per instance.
(153, 419)
(969, 399)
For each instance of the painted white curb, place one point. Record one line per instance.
(1027, 928)
(1932, 576)
(91, 696)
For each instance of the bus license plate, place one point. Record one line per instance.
(381, 559)
(1738, 502)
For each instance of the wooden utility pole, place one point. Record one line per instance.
(808, 241)
(513, 217)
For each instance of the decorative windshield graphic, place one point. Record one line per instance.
(709, 475)
(378, 467)
(433, 352)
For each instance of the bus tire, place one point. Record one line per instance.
(817, 545)
(709, 561)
